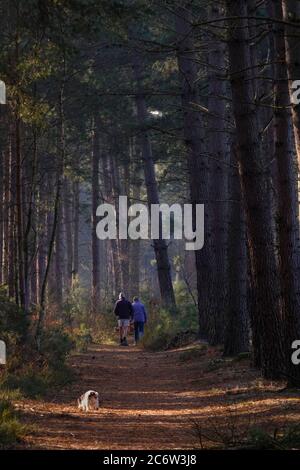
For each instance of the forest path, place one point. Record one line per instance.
(149, 400)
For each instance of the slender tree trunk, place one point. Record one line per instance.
(95, 203)
(33, 293)
(196, 158)
(41, 242)
(67, 208)
(49, 256)
(29, 223)
(58, 293)
(108, 180)
(255, 193)
(58, 194)
(115, 193)
(76, 205)
(160, 246)
(51, 285)
(6, 214)
(125, 243)
(2, 214)
(135, 245)
(16, 149)
(19, 215)
(11, 223)
(120, 189)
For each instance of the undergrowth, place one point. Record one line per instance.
(167, 330)
(236, 433)
(12, 430)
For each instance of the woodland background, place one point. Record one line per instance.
(161, 101)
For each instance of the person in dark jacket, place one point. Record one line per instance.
(123, 310)
(139, 318)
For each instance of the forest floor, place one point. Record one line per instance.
(158, 401)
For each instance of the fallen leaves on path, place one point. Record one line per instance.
(152, 400)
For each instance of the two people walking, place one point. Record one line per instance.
(127, 313)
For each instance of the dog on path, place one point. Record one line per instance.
(89, 401)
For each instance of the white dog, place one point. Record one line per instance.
(89, 401)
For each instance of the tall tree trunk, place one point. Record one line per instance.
(57, 203)
(19, 215)
(67, 210)
(6, 213)
(286, 183)
(95, 203)
(120, 189)
(16, 149)
(196, 158)
(115, 193)
(41, 243)
(76, 206)
(33, 293)
(2, 213)
(135, 245)
(291, 14)
(218, 152)
(50, 251)
(236, 317)
(160, 246)
(58, 293)
(29, 223)
(11, 222)
(108, 182)
(255, 194)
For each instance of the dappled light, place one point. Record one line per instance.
(156, 412)
(149, 227)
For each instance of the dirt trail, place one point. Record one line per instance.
(149, 401)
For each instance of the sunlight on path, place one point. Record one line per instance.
(148, 401)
